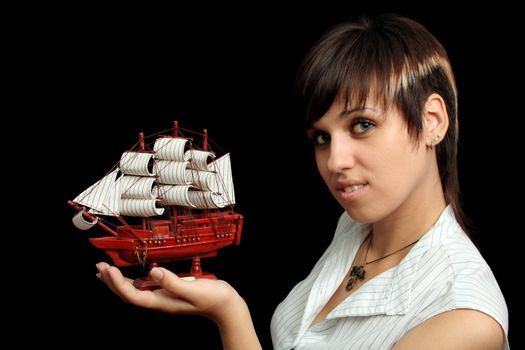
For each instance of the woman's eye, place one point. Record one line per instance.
(360, 126)
(319, 138)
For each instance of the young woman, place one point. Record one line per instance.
(380, 104)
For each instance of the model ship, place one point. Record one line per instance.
(167, 199)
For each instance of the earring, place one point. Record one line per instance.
(434, 141)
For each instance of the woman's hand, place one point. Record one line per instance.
(211, 298)
(214, 299)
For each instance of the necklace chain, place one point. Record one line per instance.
(357, 273)
(386, 256)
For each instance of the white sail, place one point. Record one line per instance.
(137, 163)
(103, 197)
(81, 223)
(199, 159)
(206, 180)
(209, 189)
(217, 185)
(137, 187)
(140, 207)
(170, 148)
(173, 173)
(222, 166)
(206, 200)
(174, 195)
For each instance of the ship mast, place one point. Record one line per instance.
(175, 208)
(196, 261)
(143, 148)
(205, 140)
(175, 128)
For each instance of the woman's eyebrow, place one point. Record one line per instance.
(346, 112)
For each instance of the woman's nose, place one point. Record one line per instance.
(341, 155)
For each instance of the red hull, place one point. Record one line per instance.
(165, 241)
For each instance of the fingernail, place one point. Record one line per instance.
(97, 267)
(188, 278)
(156, 273)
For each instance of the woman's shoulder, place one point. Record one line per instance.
(452, 274)
(448, 240)
(451, 256)
(455, 261)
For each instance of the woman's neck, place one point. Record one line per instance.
(410, 221)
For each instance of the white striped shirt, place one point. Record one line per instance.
(442, 272)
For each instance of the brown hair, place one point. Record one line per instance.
(398, 61)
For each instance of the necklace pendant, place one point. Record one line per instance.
(356, 274)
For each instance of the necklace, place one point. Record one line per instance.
(357, 273)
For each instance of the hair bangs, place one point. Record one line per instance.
(351, 65)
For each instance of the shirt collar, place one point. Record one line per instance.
(390, 292)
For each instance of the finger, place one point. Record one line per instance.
(102, 268)
(103, 275)
(171, 282)
(160, 299)
(125, 289)
(114, 279)
(180, 293)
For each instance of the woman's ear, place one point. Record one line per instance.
(435, 120)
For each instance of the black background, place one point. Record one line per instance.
(98, 76)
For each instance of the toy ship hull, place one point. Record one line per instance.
(160, 242)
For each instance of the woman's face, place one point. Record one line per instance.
(368, 161)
